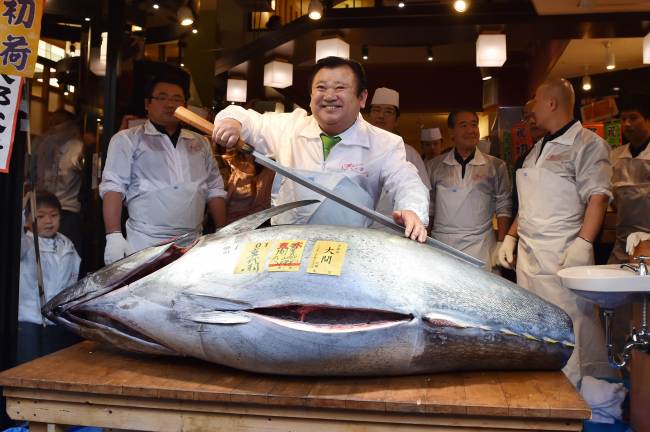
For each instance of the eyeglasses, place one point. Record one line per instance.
(164, 99)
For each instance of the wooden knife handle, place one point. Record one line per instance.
(194, 120)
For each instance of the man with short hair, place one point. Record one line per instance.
(335, 146)
(631, 175)
(384, 113)
(468, 187)
(164, 174)
(564, 189)
(431, 143)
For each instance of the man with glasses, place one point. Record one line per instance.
(164, 174)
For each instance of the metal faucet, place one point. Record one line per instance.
(638, 339)
(641, 269)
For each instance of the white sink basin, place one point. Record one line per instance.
(607, 285)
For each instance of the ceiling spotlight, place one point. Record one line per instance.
(616, 88)
(401, 4)
(315, 10)
(182, 64)
(155, 6)
(487, 77)
(99, 120)
(460, 6)
(65, 93)
(87, 19)
(185, 16)
(610, 61)
(586, 83)
(429, 54)
(364, 52)
(195, 31)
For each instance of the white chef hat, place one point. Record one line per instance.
(385, 96)
(431, 134)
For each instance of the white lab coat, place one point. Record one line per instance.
(385, 205)
(60, 265)
(165, 187)
(369, 156)
(553, 193)
(631, 184)
(463, 206)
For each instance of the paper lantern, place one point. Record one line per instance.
(278, 74)
(236, 91)
(491, 50)
(332, 47)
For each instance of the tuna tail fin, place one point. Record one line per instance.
(253, 221)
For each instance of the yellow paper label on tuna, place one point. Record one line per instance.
(252, 258)
(286, 255)
(327, 257)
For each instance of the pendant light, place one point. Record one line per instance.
(491, 50)
(278, 74)
(586, 80)
(315, 10)
(236, 90)
(334, 47)
(610, 59)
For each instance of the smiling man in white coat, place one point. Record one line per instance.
(334, 146)
(164, 174)
(564, 188)
(469, 187)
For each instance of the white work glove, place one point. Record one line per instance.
(506, 252)
(579, 253)
(116, 248)
(634, 239)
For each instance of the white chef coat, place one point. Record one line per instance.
(371, 157)
(554, 189)
(165, 187)
(60, 265)
(463, 206)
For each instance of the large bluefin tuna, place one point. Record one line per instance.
(270, 300)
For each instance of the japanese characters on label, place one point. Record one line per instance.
(286, 255)
(253, 258)
(20, 29)
(327, 258)
(10, 87)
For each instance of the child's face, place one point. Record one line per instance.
(48, 219)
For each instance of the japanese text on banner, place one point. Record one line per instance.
(9, 96)
(20, 30)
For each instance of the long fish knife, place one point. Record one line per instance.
(205, 126)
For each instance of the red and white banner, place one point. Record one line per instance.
(10, 87)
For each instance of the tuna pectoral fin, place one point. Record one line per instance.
(220, 317)
(251, 222)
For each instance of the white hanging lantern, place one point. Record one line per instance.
(98, 57)
(236, 90)
(278, 74)
(646, 49)
(332, 47)
(491, 50)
